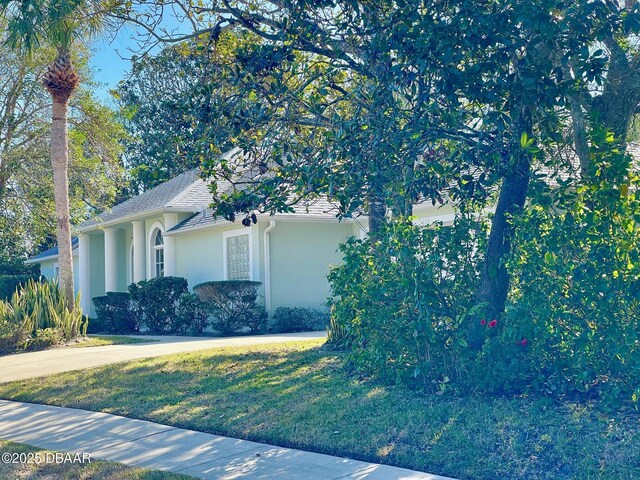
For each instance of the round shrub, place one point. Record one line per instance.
(233, 305)
(156, 302)
(115, 313)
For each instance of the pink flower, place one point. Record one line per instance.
(483, 322)
(524, 342)
(493, 323)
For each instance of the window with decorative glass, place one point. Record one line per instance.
(238, 263)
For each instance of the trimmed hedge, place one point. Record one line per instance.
(233, 305)
(298, 319)
(115, 314)
(160, 305)
(156, 301)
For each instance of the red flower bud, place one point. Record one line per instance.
(483, 322)
(493, 323)
(523, 342)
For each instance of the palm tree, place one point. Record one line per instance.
(32, 24)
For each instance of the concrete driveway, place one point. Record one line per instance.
(49, 362)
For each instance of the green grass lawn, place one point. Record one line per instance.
(96, 470)
(99, 341)
(299, 395)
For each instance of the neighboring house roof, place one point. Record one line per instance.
(51, 253)
(186, 192)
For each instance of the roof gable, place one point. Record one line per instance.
(186, 192)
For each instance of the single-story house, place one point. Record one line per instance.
(170, 230)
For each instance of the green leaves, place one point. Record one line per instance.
(575, 294)
(402, 301)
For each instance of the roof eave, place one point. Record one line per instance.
(263, 216)
(136, 216)
(30, 261)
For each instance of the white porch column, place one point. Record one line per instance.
(84, 273)
(170, 221)
(110, 260)
(139, 251)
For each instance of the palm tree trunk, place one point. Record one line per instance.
(59, 164)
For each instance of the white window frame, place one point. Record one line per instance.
(151, 270)
(237, 233)
(56, 271)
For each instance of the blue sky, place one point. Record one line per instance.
(109, 66)
(111, 55)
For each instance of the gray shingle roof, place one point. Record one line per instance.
(319, 207)
(53, 251)
(186, 191)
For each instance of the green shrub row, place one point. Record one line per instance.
(297, 319)
(158, 306)
(165, 306)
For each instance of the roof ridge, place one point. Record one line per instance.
(184, 192)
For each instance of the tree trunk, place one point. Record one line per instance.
(59, 163)
(377, 211)
(494, 279)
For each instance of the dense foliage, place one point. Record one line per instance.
(161, 305)
(573, 314)
(297, 319)
(37, 317)
(115, 314)
(155, 303)
(233, 305)
(403, 299)
(573, 321)
(95, 175)
(10, 283)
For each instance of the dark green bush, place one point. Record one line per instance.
(115, 313)
(297, 319)
(12, 337)
(233, 305)
(10, 283)
(156, 302)
(192, 316)
(575, 299)
(400, 302)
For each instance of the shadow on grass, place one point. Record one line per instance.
(301, 397)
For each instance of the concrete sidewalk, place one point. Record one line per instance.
(151, 445)
(58, 360)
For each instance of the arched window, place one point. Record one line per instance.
(158, 254)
